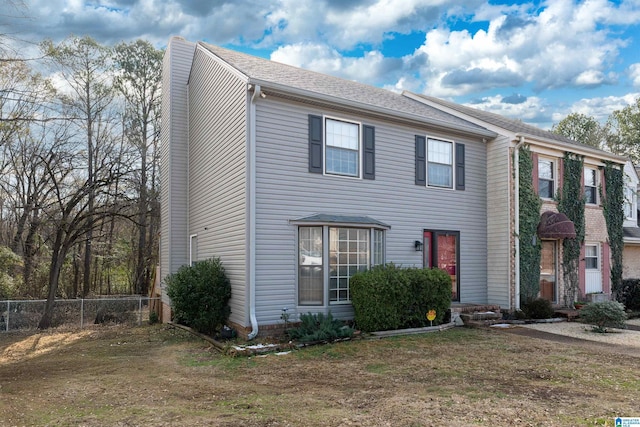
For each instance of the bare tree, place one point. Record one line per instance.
(84, 65)
(139, 80)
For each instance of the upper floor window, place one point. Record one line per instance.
(341, 147)
(591, 185)
(439, 163)
(630, 202)
(546, 178)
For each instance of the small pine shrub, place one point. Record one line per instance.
(630, 294)
(153, 317)
(200, 295)
(318, 327)
(538, 309)
(604, 315)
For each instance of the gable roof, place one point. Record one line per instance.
(511, 125)
(288, 79)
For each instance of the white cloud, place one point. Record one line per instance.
(565, 44)
(634, 74)
(599, 108)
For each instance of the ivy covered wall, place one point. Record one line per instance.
(613, 206)
(571, 202)
(530, 246)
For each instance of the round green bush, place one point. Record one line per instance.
(200, 295)
(538, 309)
(603, 315)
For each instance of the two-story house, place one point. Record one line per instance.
(297, 180)
(548, 151)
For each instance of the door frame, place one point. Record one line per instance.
(430, 252)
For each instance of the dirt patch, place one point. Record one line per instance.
(160, 376)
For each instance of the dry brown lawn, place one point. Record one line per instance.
(159, 376)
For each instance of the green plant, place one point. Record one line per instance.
(629, 295)
(613, 206)
(529, 205)
(153, 317)
(571, 202)
(604, 315)
(539, 308)
(389, 297)
(200, 295)
(318, 327)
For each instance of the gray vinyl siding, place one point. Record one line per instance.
(217, 172)
(286, 191)
(499, 255)
(173, 157)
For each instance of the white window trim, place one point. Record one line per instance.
(324, 147)
(326, 254)
(634, 202)
(597, 183)
(554, 170)
(598, 255)
(193, 251)
(453, 162)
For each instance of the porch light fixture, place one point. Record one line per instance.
(418, 245)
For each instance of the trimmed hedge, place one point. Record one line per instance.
(629, 295)
(200, 295)
(389, 297)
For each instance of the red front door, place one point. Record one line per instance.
(441, 250)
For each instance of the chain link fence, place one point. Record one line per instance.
(16, 315)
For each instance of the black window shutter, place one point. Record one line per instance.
(315, 144)
(421, 160)
(369, 142)
(459, 166)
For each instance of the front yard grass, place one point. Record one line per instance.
(155, 375)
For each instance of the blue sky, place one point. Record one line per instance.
(536, 61)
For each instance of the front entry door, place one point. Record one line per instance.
(442, 250)
(593, 276)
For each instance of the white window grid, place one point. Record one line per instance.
(547, 174)
(439, 163)
(348, 254)
(342, 147)
(591, 185)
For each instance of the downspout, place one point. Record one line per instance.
(516, 166)
(251, 184)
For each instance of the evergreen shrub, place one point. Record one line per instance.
(389, 297)
(539, 308)
(629, 295)
(318, 327)
(200, 295)
(603, 315)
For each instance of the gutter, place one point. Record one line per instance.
(516, 172)
(384, 112)
(251, 184)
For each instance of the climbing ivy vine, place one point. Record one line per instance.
(530, 246)
(571, 202)
(613, 206)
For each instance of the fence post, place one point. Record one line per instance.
(81, 313)
(139, 310)
(8, 311)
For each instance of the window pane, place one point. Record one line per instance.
(342, 147)
(545, 188)
(591, 251)
(440, 175)
(348, 253)
(545, 169)
(378, 247)
(440, 163)
(310, 266)
(590, 177)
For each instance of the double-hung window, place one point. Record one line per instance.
(591, 185)
(629, 202)
(439, 163)
(546, 178)
(342, 148)
(329, 255)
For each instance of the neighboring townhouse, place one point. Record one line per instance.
(503, 242)
(631, 257)
(297, 180)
